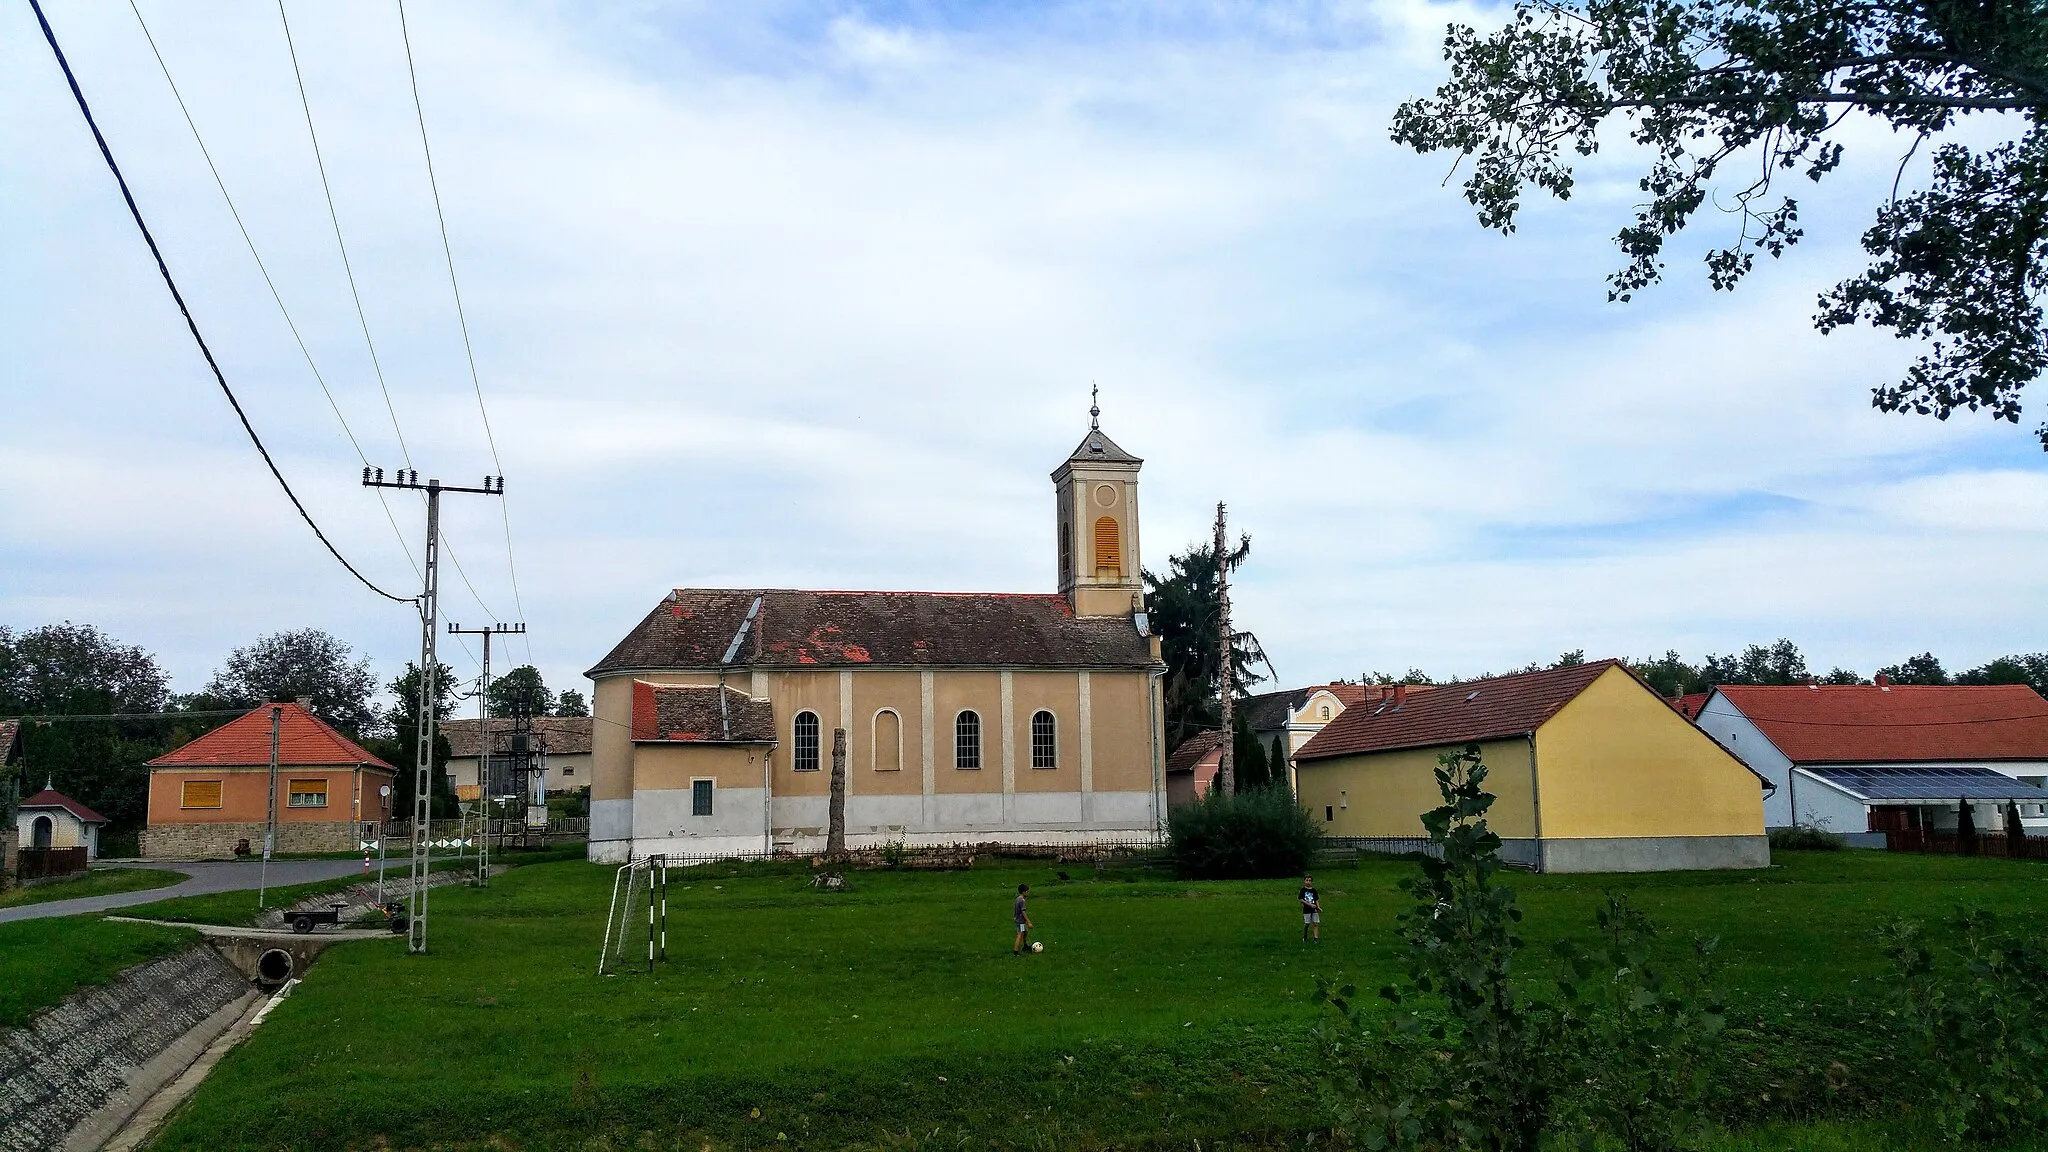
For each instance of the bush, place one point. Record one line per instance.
(1975, 1015)
(1805, 838)
(1250, 835)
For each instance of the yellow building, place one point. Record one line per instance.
(1591, 770)
(964, 717)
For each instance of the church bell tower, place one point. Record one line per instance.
(1096, 502)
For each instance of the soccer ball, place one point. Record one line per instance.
(1038, 945)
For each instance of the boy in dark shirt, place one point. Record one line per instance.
(1023, 919)
(1311, 911)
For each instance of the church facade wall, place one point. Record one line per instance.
(1104, 782)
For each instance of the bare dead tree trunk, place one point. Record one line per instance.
(1226, 772)
(835, 832)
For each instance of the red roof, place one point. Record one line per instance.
(51, 798)
(1689, 705)
(1195, 749)
(1455, 713)
(303, 740)
(1902, 723)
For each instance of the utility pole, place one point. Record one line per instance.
(430, 606)
(1226, 771)
(269, 815)
(483, 742)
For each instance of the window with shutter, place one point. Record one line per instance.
(200, 794)
(307, 794)
(1109, 547)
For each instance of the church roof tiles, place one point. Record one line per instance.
(696, 627)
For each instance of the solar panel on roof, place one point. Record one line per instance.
(1926, 783)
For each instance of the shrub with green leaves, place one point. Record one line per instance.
(1974, 1013)
(1805, 838)
(1487, 1075)
(1256, 834)
(1643, 1034)
(1623, 1055)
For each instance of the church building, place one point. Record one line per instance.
(963, 717)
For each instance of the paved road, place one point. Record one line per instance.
(202, 878)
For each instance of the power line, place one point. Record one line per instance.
(220, 183)
(339, 243)
(192, 325)
(448, 253)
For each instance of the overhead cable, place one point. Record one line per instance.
(461, 319)
(192, 325)
(261, 267)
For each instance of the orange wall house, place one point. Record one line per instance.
(210, 795)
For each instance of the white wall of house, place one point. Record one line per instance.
(66, 830)
(1733, 731)
(1822, 805)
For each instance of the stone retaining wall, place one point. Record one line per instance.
(72, 1058)
(217, 841)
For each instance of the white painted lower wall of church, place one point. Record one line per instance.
(660, 821)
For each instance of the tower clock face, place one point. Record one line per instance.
(1105, 495)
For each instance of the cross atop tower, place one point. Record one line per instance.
(1094, 407)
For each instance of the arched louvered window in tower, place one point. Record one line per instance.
(967, 740)
(1045, 744)
(1109, 548)
(804, 742)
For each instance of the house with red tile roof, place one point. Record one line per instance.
(1193, 767)
(215, 796)
(1590, 769)
(1294, 715)
(1020, 717)
(1855, 758)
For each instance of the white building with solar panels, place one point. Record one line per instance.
(1889, 757)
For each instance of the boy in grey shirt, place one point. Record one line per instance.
(1023, 919)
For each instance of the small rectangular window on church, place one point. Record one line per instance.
(700, 797)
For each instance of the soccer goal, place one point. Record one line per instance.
(639, 890)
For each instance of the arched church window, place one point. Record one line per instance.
(1066, 553)
(888, 741)
(1109, 547)
(1044, 741)
(967, 740)
(804, 742)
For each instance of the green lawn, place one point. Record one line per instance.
(98, 882)
(43, 961)
(1161, 1012)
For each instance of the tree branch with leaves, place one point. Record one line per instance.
(1734, 96)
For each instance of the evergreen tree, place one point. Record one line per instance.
(1184, 608)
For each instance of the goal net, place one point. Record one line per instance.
(637, 921)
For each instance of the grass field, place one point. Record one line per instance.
(43, 961)
(98, 882)
(1161, 1013)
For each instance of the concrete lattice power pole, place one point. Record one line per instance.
(1226, 771)
(430, 666)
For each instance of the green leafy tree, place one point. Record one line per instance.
(401, 748)
(1731, 98)
(1276, 763)
(1250, 756)
(1779, 663)
(2031, 670)
(571, 703)
(77, 670)
(521, 683)
(1184, 608)
(1921, 669)
(289, 665)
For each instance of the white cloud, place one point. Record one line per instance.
(811, 296)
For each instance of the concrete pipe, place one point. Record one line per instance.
(274, 967)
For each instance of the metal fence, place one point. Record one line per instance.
(1993, 844)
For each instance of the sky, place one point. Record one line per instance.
(812, 295)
